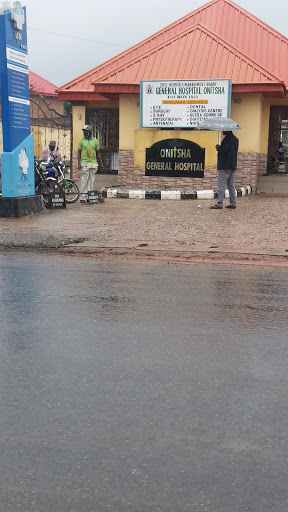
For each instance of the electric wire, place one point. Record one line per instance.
(74, 37)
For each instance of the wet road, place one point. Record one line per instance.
(142, 387)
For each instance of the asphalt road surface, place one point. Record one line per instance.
(142, 387)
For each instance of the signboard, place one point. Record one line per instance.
(17, 170)
(14, 77)
(17, 159)
(183, 103)
(58, 199)
(175, 157)
(93, 197)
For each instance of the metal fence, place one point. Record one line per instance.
(48, 124)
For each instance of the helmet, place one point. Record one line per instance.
(87, 127)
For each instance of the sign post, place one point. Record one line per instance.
(176, 104)
(17, 159)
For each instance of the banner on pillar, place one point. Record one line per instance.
(17, 159)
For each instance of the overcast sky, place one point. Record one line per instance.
(111, 26)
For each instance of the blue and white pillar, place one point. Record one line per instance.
(17, 158)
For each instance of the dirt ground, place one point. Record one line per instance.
(168, 230)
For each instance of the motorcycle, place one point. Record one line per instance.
(56, 170)
(44, 185)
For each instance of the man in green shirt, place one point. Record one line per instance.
(88, 153)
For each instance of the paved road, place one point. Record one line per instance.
(142, 387)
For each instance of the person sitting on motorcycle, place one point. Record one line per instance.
(51, 152)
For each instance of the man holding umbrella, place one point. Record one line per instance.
(226, 167)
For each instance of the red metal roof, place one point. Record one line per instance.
(39, 84)
(195, 52)
(217, 40)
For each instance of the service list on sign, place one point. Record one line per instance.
(183, 104)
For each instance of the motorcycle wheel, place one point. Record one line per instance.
(45, 188)
(72, 192)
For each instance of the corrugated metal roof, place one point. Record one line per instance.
(39, 84)
(217, 40)
(195, 53)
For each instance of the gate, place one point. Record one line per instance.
(278, 141)
(47, 123)
(105, 125)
